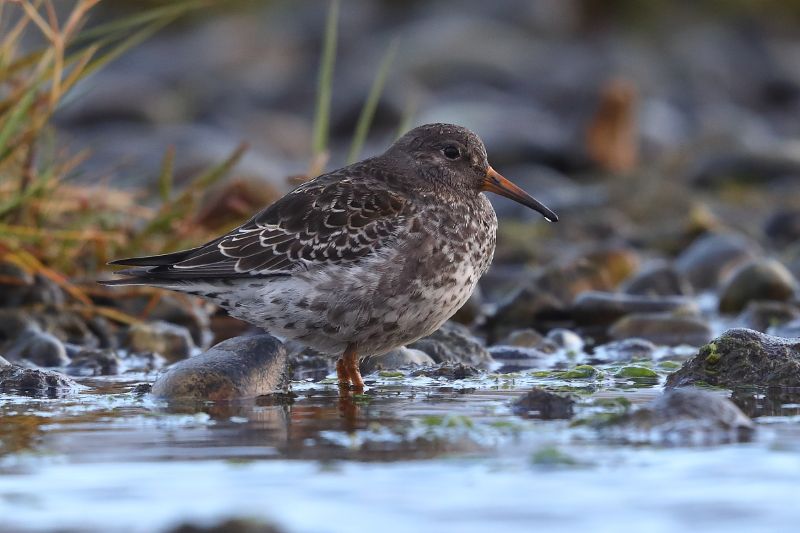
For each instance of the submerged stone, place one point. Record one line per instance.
(448, 370)
(15, 379)
(242, 367)
(397, 358)
(94, 362)
(624, 351)
(741, 357)
(515, 358)
(680, 417)
(539, 403)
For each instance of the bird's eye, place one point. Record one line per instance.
(451, 152)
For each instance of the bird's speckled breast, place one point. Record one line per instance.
(380, 306)
(404, 293)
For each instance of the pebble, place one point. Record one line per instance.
(515, 358)
(705, 262)
(171, 341)
(242, 367)
(454, 342)
(397, 358)
(623, 351)
(604, 308)
(539, 403)
(663, 328)
(762, 315)
(762, 279)
(40, 348)
(662, 279)
(94, 362)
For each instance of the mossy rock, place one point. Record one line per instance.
(636, 372)
(741, 357)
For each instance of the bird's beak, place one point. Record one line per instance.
(496, 183)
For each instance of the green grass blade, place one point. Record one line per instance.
(182, 205)
(325, 82)
(371, 103)
(16, 115)
(115, 27)
(108, 32)
(213, 175)
(124, 45)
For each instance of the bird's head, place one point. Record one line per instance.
(453, 156)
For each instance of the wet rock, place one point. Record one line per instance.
(448, 370)
(566, 339)
(15, 285)
(762, 279)
(525, 338)
(67, 326)
(4, 362)
(94, 362)
(515, 358)
(243, 367)
(13, 323)
(706, 261)
(783, 227)
(596, 270)
(762, 315)
(397, 358)
(140, 389)
(15, 379)
(102, 329)
(171, 341)
(543, 302)
(663, 329)
(744, 168)
(539, 403)
(658, 280)
(623, 351)
(685, 416)
(40, 348)
(604, 308)
(453, 342)
(742, 357)
(527, 307)
(179, 310)
(20, 288)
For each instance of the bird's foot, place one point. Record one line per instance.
(347, 371)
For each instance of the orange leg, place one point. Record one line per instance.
(350, 359)
(341, 373)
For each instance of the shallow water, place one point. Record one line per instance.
(412, 453)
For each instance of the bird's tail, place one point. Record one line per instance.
(146, 271)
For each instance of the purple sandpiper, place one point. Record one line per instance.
(360, 260)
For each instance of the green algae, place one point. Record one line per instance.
(636, 372)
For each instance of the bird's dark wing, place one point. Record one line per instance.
(331, 220)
